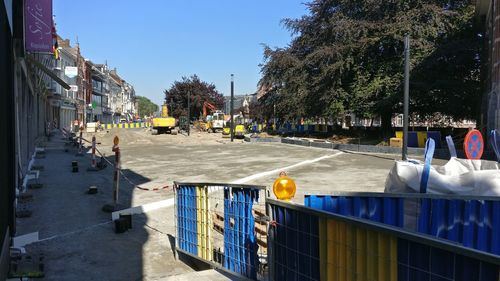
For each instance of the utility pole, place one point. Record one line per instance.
(406, 97)
(232, 107)
(274, 115)
(189, 112)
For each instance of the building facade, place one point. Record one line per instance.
(488, 12)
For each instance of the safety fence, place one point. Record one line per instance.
(224, 225)
(348, 236)
(310, 244)
(127, 125)
(473, 222)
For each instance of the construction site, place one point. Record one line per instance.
(325, 163)
(153, 163)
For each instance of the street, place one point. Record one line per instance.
(80, 235)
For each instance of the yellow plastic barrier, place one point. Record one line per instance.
(422, 138)
(348, 252)
(203, 223)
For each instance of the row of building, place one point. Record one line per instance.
(97, 93)
(45, 84)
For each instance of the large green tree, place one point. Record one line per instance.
(200, 92)
(146, 106)
(347, 56)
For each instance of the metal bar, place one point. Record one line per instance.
(48, 72)
(215, 265)
(189, 114)
(398, 232)
(407, 195)
(205, 185)
(406, 98)
(232, 107)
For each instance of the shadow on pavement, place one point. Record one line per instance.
(76, 238)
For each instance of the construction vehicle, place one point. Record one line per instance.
(239, 127)
(164, 123)
(215, 121)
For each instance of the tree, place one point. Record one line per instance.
(347, 56)
(146, 106)
(177, 96)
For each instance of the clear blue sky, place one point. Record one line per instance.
(154, 43)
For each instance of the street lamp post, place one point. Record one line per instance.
(189, 112)
(406, 98)
(232, 107)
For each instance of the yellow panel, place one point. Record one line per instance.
(342, 256)
(330, 256)
(394, 258)
(115, 125)
(323, 237)
(355, 253)
(209, 228)
(203, 229)
(360, 254)
(198, 222)
(383, 245)
(399, 134)
(371, 255)
(422, 138)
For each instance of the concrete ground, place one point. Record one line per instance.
(77, 237)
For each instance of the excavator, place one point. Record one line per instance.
(215, 121)
(164, 123)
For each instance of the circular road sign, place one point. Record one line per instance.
(473, 145)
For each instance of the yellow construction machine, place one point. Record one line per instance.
(164, 123)
(239, 127)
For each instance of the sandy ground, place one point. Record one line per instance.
(77, 237)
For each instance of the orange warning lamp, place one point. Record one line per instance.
(284, 187)
(116, 140)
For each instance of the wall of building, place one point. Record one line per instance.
(489, 15)
(7, 173)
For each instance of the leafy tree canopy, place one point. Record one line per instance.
(177, 96)
(146, 106)
(348, 56)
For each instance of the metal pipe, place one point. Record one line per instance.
(232, 107)
(189, 113)
(406, 98)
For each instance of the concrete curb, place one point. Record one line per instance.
(261, 140)
(439, 153)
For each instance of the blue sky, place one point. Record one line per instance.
(153, 43)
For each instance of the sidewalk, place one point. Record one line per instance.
(77, 238)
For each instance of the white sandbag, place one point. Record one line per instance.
(458, 176)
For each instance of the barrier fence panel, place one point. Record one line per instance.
(224, 225)
(471, 221)
(310, 244)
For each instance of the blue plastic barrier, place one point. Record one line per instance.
(474, 223)
(309, 244)
(412, 139)
(240, 245)
(186, 219)
(436, 136)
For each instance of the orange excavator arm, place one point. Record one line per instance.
(209, 106)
